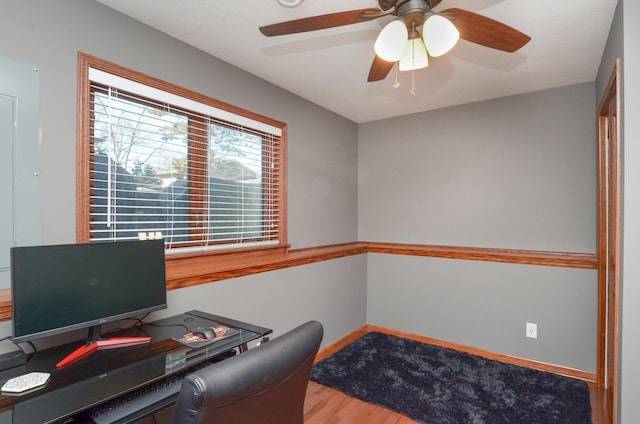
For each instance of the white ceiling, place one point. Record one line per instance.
(330, 67)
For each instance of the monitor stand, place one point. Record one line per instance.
(95, 343)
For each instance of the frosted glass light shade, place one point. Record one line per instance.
(290, 3)
(440, 35)
(391, 41)
(415, 56)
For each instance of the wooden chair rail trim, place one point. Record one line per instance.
(526, 257)
(190, 270)
(587, 376)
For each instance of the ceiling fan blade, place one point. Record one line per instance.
(379, 69)
(487, 32)
(314, 23)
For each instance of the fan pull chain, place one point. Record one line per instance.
(413, 59)
(413, 82)
(397, 83)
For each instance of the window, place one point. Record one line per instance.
(159, 161)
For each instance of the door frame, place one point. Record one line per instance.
(609, 206)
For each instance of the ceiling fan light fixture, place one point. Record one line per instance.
(415, 56)
(440, 35)
(391, 41)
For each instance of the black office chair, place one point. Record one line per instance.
(265, 385)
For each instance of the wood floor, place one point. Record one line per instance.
(327, 406)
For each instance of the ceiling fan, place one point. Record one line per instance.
(400, 41)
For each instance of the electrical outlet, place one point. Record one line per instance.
(532, 330)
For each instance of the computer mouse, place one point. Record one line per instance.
(204, 332)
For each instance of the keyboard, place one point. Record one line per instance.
(144, 401)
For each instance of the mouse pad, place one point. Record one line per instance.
(192, 340)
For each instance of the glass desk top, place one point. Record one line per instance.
(108, 374)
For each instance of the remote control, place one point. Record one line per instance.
(25, 382)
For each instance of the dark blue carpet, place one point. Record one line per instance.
(434, 385)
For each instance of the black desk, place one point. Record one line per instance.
(110, 374)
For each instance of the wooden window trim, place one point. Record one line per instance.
(185, 263)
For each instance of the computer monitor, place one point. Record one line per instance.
(61, 288)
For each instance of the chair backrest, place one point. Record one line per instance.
(266, 384)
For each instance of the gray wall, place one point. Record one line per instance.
(630, 368)
(322, 153)
(332, 292)
(518, 172)
(622, 44)
(486, 305)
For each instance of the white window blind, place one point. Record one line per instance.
(167, 166)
